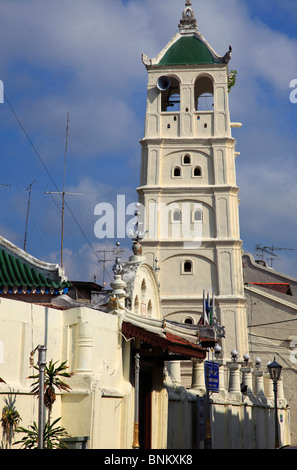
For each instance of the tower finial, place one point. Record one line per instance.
(188, 23)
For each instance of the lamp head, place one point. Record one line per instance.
(246, 358)
(274, 370)
(258, 362)
(217, 350)
(234, 355)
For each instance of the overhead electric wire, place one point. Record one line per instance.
(272, 323)
(50, 176)
(267, 337)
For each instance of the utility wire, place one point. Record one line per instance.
(50, 176)
(272, 323)
(267, 337)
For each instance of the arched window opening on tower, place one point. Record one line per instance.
(176, 215)
(204, 94)
(176, 172)
(187, 159)
(187, 267)
(188, 321)
(170, 101)
(197, 171)
(143, 287)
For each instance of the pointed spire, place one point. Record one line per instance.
(188, 23)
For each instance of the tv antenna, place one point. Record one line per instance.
(116, 250)
(64, 193)
(28, 209)
(270, 250)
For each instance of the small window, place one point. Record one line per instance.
(197, 216)
(189, 321)
(177, 172)
(187, 160)
(176, 215)
(136, 305)
(143, 287)
(197, 171)
(188, 267)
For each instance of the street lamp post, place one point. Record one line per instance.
(275, 371)
(135, 444)
(41, 414)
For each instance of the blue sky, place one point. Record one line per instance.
(84, 58)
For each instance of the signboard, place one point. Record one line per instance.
(211, 369)
(143, 309)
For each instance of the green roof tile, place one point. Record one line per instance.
(187, 50)
(15, 274)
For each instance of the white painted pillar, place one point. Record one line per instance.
(259, 383)
(198, 377)
(222, 374)
(280, 389)
(173, 369)
(268, 387)
(247, 379)
(234, 378)
(84, 347)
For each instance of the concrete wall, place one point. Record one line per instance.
(100, 404)
(237, 420)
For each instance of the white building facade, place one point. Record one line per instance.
(101, 346)
(188, 185)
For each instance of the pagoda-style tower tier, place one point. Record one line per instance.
(188, 183)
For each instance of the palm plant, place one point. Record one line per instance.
(9, 421)
(52, 436)
(52, 382)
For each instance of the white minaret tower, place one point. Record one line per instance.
(188, 185)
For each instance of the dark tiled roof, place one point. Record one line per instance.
(170, 344)
(17, 277)
(282, 287)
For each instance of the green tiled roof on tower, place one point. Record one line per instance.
(188, 46)
(187, 50)
(16, 276)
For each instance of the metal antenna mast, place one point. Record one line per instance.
(104, 260)
(270, 251)
(28, 208)
(63, 192)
